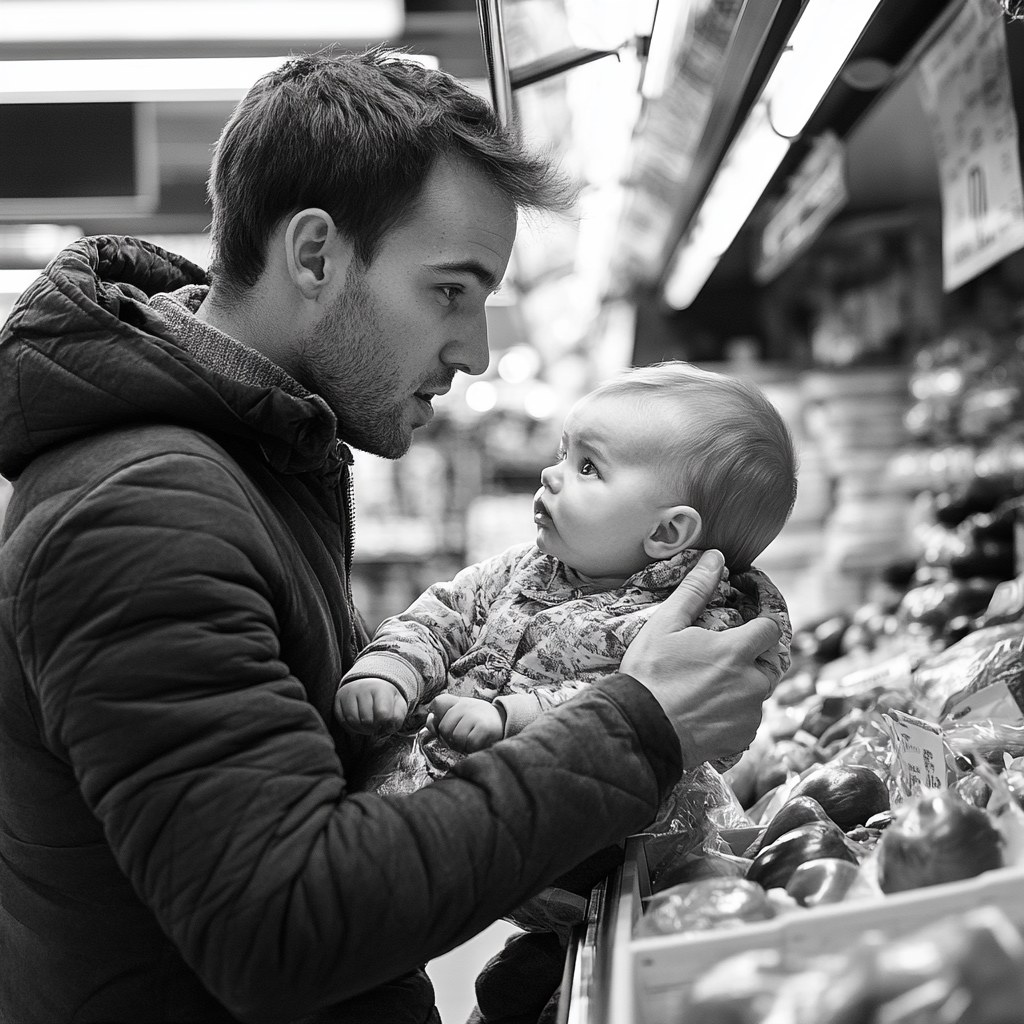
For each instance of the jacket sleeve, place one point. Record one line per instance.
(148, 630)
(415, 650)
(522, 708)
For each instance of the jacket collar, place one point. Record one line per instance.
(85, 350)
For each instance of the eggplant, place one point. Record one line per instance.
(848, 793)
(775, 864)
(793, 813)
(831, 711)
(937, 838)
(826, 880)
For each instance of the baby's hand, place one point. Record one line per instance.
(466, 724)
(370, 706)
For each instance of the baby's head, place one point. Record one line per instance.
(664, 458)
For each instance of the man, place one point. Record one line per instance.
(178, 841)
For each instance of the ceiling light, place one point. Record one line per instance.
(32, 21)
(816, 51)
(817, 48)
(139, 80)
(744, 174)
(670, 21)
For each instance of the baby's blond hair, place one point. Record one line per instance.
(727, 446)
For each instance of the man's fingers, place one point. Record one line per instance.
(756, 637)
(681, 608)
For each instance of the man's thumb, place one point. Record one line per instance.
(681, 608)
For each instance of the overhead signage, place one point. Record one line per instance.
(815, 194)
(964, 84)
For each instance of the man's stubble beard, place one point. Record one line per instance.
(342, 362)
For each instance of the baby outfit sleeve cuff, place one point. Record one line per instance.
(520, 710)
(396, 670)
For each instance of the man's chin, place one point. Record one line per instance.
(389, 438)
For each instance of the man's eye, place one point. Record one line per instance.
(587, 468)
(450, 292)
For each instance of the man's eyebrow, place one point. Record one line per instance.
(484, 275)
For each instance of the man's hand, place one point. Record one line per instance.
(708, 683)
(466, 724)
(370, 707)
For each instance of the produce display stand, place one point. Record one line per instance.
(612, 978)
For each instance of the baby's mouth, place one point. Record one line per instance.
(540, 511)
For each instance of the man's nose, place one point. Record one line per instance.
(469, 352)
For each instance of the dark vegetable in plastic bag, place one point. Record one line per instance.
(775, 864)
(826, 880)
(937, 838)
(796, 811)
(848, 793)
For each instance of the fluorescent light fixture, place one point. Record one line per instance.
(670, 20)
(138, 80)
(752, 159)
(818, 46)
(817, 49)
(77, 21)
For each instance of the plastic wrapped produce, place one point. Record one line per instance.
(963, 969)
(938, 837)
(703, 905)
(967, 667)
(690, 821)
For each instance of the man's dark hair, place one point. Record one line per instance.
(355, 135)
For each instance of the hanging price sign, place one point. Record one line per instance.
(965, 88)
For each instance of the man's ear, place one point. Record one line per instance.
(678, 527)
(316, 252)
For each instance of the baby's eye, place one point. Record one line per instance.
(560, 454)
(587, 468)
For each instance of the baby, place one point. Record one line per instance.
(654, 467)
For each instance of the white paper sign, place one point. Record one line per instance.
(920, 752)
(965, 88)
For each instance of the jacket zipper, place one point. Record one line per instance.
(347, 497)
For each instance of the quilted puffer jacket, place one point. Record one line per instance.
(177, 838)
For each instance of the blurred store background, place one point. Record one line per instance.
(768, 188)
(109, 110)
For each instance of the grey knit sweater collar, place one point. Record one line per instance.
(216, 350)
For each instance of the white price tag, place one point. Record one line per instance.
(920, 752)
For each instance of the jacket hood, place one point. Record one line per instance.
(83, 352)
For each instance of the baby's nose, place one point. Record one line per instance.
(548, 477)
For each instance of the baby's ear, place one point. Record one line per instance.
(678, 528)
